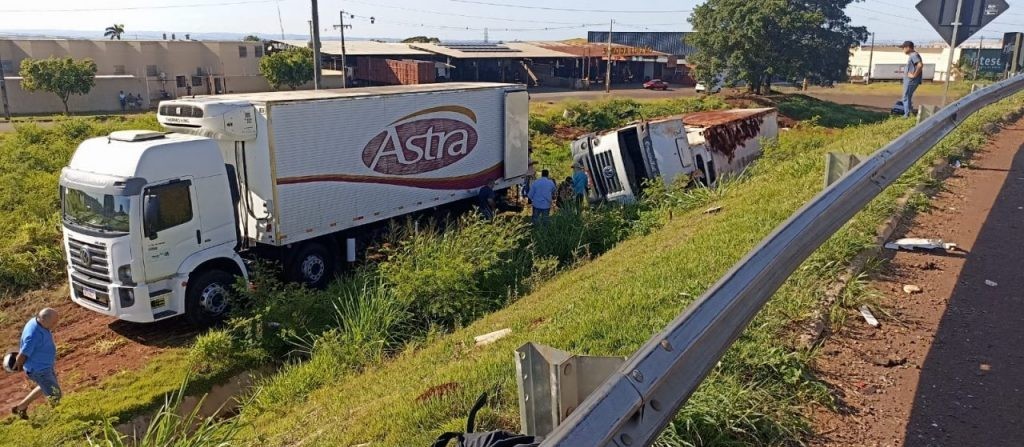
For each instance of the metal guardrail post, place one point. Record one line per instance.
(636, 403)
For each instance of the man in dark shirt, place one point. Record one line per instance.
(915, 69)
(37, 356)
(486, 200)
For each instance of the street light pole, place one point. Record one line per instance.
(3, 91)
(608, 65)
(952, 49)
(315, 25)
(871, 60)
(977, 60)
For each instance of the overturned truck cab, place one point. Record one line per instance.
(702, 146)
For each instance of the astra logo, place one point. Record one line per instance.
(424, 141)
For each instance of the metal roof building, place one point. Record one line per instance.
(673, 43)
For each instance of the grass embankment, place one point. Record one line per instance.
(956, 88)
(758, 394)
(429, 282)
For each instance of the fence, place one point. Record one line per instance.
(636, 403)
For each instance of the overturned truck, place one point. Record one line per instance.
(702, 146)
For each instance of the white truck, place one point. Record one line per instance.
(702, 145)
(160, 224)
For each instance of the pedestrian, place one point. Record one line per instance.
(579, 184)
(122, 99)
(486, 200)
(565, 193)
(130, 100)
(915, 70)
(138, 101)
(541, 195)
(37, 356)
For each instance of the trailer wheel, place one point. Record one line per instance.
(313, 266)
(207, 297)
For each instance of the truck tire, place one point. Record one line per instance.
(207, 297)
(313, 265)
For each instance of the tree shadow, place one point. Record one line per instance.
(970, 391)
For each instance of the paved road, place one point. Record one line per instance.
(945, 367)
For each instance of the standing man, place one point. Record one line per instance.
(542, 195)
(37, 356)
(485, 198)
(915, 69)
(579, 184)
(122, 99)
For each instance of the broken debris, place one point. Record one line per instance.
(991, 283)
(868, 316)
(911, 289)
(912, 243)
(492, 337)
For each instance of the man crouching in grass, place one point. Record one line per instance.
(37, 356)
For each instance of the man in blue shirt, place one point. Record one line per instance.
(37, 356)
(542, 195)
(579, 183)
(915, 70)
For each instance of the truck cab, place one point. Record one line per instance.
(140, 211)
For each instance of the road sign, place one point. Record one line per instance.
(974, 15)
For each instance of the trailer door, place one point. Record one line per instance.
(517, 134)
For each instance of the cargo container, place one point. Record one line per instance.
(394, 71)
(159, 224)
(702, 146)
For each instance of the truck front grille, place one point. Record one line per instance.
(90, 271)
(604, 170)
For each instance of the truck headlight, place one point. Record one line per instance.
(124, 274)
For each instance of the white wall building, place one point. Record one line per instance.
(888, 61)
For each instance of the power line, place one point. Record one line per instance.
(452, 14)
(469, 28)
(127, 8)
(549, 8)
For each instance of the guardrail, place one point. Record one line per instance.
(636, 403)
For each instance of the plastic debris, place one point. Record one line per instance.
(991, 283)
(911, 289)
(868, 316)
(492, 337)
(913, 243)
(713, 210)
(957, 165)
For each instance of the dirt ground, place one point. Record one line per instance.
(945, 366)
(90, 346)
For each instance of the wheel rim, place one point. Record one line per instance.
(313, 268)
(214, 299)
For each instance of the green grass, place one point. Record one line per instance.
(757, 396)
(956, 88)
(824, 113)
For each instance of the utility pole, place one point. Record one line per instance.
(3, 91)
(485, 36)
(315, 35)
(871, 60)
(952, 49)
(341, 29)
(608, 64)
(977, 60)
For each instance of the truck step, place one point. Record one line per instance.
(164, 314)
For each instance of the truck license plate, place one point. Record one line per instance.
(89, 293)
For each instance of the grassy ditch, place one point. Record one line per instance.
(757, 396)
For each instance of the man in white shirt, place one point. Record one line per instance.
(542, 195)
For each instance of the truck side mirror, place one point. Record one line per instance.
(150, 214)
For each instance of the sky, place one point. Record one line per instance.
(891, 20)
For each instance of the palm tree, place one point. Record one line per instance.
(114, 31)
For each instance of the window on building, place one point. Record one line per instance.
(119, 69)
(181, 81)
(197, 81)
(175, 205)
(7, 66)
(257, 51)
(151, 71)
(243, 51)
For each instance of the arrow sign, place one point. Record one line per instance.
(974, 15)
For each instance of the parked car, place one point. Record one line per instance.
(656, 84)
(715, 88)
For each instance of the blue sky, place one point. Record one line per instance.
(892, 20)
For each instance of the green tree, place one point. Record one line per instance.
(758, 41)
(252, 38)
(421, 39)
(292, 67)
(61, 76)
(114, 31)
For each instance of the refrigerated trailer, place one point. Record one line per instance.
(703, 146)
(159, 224)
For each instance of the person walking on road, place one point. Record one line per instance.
(542, 195)
(38, 356)
(915, 70)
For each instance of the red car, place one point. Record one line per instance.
(656, 84)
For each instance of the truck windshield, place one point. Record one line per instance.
(103, 212)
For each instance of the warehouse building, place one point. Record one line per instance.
(672, 44)
(888, 62)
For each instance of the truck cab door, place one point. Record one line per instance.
(171, 227)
